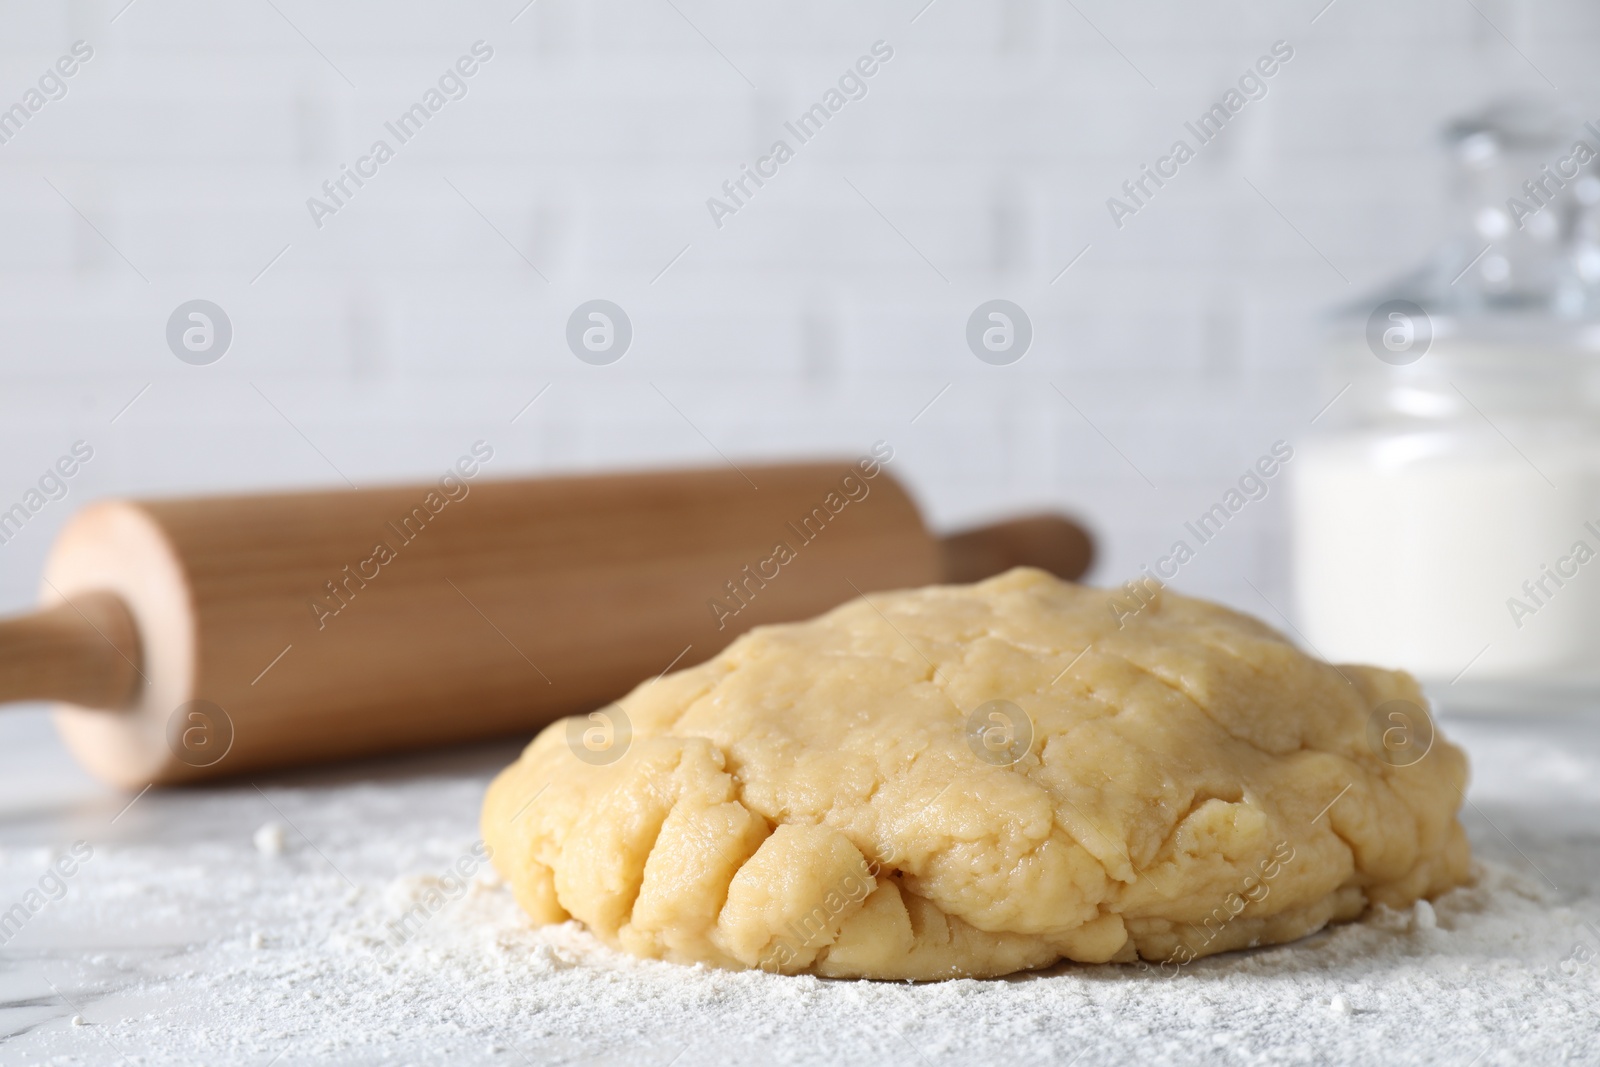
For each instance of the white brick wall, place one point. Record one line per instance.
(406, 326)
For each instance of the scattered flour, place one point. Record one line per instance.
(202, 953)
(270, 839)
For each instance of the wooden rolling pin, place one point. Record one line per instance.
(202, 637)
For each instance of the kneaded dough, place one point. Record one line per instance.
(812, 800)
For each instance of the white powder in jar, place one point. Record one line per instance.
(1411, 549)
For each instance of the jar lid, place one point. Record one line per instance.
(1525, 255)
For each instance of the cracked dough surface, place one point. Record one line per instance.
(808, 800)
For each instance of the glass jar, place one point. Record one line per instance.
(1446, 519)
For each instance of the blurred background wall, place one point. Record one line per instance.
(828, 312)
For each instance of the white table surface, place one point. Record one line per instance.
(180, 941)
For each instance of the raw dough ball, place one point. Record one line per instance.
(814, 800)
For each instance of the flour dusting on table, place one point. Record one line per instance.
(359, 941)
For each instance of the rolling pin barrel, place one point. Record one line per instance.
(193, 638)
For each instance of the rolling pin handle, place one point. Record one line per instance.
(84, 651)
(1050, 542)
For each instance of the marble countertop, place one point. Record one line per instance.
(235, 924)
